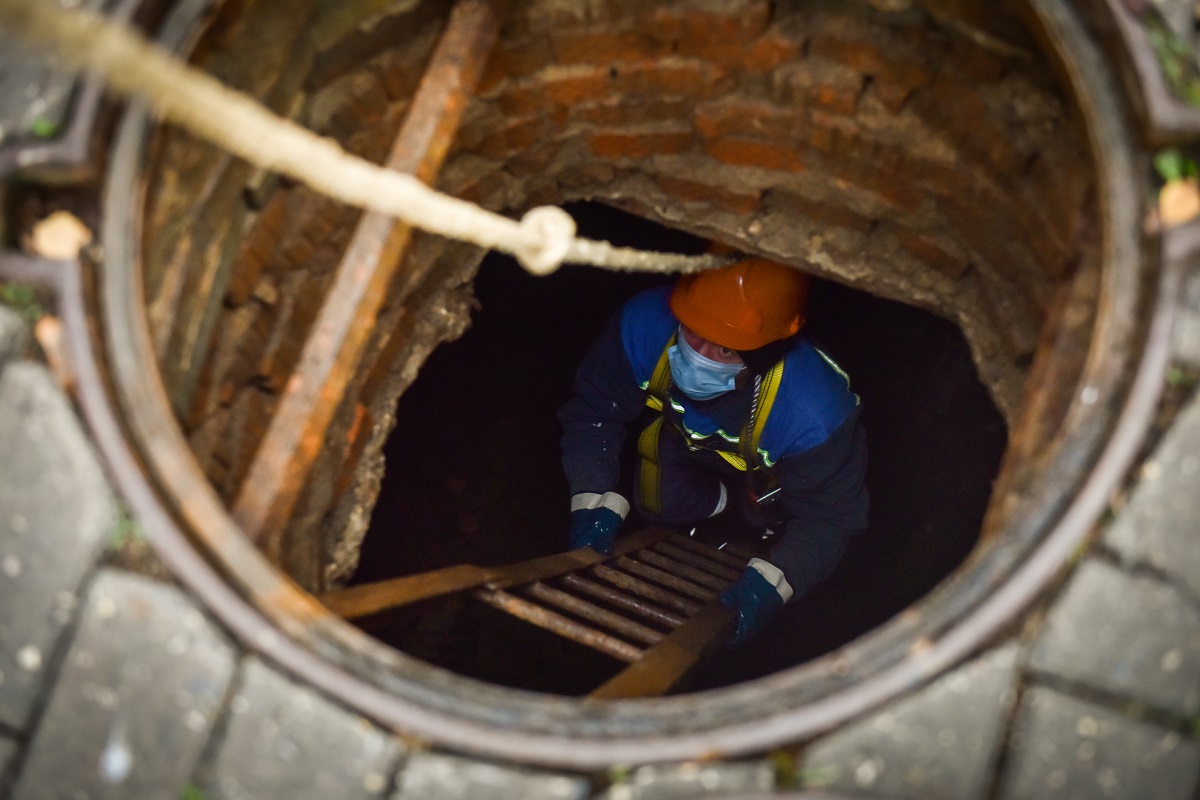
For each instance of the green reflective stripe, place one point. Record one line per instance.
(834, 364)
(649, 474)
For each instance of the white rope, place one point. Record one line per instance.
(197, 102)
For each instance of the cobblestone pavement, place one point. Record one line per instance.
(116, 685)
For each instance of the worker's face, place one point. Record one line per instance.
(710, 350)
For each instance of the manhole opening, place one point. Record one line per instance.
(473, 472)
(1029, 241)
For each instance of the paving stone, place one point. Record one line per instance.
(1128, 635)
(14, 335)
(33, 93)
(8, 748)
(692, 780)
(433, 776)
(1064, 747)
(285, 740)
(1158, 525)
(136, 699)
(1186, 339)
(942, 742)
(55, 512)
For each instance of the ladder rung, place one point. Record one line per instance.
(666, 579)
(557, 623)
(704, 562)
(640, 587)
(626, 602)
(682, 570)
(735, 561)
(594, 613)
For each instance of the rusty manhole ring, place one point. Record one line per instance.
(1110, 410)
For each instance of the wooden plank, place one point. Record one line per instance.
(666, 663)
(371, 598)
(268, 495)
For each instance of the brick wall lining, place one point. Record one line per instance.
(877, 150)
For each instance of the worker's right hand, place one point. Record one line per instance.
(595, 520)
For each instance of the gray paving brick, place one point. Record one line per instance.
(1186, 339)
(55, 511)
(8, 749)
(1124, 634)
(1158, 525)
(942, 742)
(284, 740)
(692, 780)
(33, 94)
(433, 776)
(1064, 747)
(139, 691)
(14, 335)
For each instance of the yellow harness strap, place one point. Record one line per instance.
(748, 456)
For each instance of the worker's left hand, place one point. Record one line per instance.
(595, 520)
(755, 599)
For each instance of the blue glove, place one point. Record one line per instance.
(755, 600)
(595, 520)
(595, 528)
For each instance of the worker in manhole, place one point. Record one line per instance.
(747, 418)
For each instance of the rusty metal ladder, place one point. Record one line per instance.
(652, 603)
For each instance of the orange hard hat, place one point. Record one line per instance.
(743, 305)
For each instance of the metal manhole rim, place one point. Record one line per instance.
(290, 629)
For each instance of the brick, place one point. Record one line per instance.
(257, 249)
(838, 98)
(940, 742)
(669, 77)
(513, 60)
(693, 192)
(1127, 635)
(285, 740)
(517, 135)
(823, 212)
(606, 47)
(55, 512)
(934, 250)
(432, 776)
(629, 144)
(749, 153)
(755, 119)
(535, 160)
(524, 100)
(578, 85)
(136, 699)
(620, 112)
(763, 55)
(1062, 747)
(738, 22)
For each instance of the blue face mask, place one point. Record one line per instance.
(698, 377)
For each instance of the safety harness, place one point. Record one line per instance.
(748, 458)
